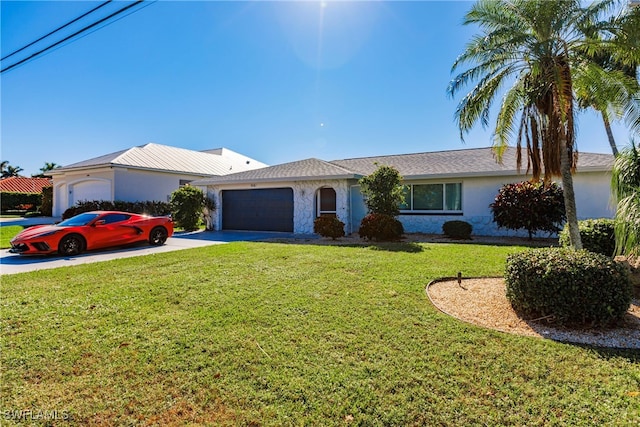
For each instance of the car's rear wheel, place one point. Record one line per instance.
(71, 245)
(158, 236)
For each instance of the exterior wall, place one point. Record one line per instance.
(138, 185)
(304, 200)
(593, 195)
(592, 199)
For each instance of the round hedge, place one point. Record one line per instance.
(328, 226)
(380, 227)
(573, 287)
(457, 229)
(597, 235)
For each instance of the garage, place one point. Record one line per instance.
(91, 190)
(258, 210)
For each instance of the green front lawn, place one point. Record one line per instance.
(7, 233)
(277, 334)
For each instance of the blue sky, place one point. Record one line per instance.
(277, 81)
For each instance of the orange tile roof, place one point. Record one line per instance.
(21, 184)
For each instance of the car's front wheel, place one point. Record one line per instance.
(71, 245)
(158, 236)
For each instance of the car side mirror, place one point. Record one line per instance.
(100, 222)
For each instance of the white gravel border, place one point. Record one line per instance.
(483, 302)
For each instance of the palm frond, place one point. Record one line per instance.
(627, 225)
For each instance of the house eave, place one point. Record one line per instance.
(118, 166)
(484, 174)
(275, 180)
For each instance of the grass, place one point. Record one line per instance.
(277, 334)
(7, 233)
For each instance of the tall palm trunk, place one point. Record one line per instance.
(569, 198)
(607, 126)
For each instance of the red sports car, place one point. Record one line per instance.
(92, 230)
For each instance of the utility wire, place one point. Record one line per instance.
(88, 27)
(56, 30)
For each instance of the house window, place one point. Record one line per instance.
(184, 182)
(326, 202)
(441, 197)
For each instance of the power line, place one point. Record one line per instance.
(88, 27)
(56, 30)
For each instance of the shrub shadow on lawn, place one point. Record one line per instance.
(410, 247)
(630, 355)
(412, 242)
(396, 246)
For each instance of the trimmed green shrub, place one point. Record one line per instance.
(532, 206)
(46, 208)
(597, 236)
(187, 204)
(572, 287)
(328, 226)
(19, 201)
(380, 227)
(457, 229)
(152, 208)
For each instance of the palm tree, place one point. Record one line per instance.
(48, 166)
(613, 96)
(8, 170)
(625, 183)
(536, 46)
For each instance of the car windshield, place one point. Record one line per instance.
(82, 219)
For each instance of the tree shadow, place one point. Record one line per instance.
(606, 353)
(393, 246)
(409, 247)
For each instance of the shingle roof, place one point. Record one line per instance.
(21, 184)
(166, 158)
(439, 164)
(307, 169)
(467, 162)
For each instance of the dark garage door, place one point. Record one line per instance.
(258, 210)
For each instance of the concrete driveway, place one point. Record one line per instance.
(13, 263)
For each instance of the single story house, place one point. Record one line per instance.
(148, 172)
(440, 186)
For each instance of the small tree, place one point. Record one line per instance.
(382, 191)
(383, 194)
(187, 204)
(532, 206)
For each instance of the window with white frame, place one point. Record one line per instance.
(326, 202)
(436, 198)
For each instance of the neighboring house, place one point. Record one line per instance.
(144, 173)
(24, 185)
(440, 186)
(21, 184)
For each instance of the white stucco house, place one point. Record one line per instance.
(441, 186)
(145, 173)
